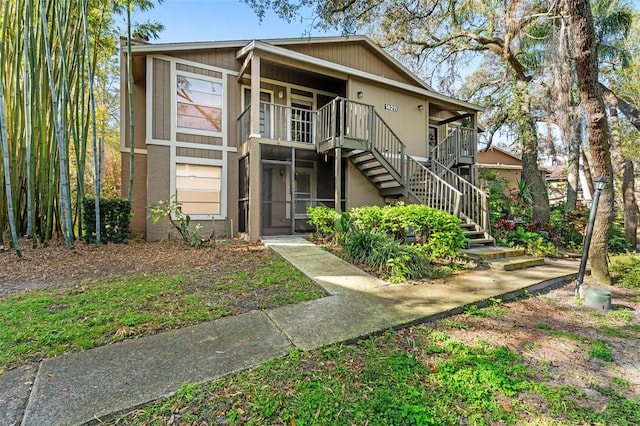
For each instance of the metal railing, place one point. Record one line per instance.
(343, 119)
(459, 143)
(474, 205)
(280, 122)
(431, 190)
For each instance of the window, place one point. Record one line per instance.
(198, 189)
(199, 104)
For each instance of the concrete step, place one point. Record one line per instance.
(515, 263)
(491, 253)
(481, 242)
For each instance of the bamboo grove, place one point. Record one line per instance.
(49, 50)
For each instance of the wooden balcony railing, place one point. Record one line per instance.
(280, 122)
(458, 144)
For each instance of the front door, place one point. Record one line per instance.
(301, 121)
(276, 219)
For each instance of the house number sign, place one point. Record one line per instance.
(390, 107)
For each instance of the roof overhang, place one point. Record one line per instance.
(421, 88)
(273, 47)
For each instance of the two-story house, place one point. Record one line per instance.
(252, 133)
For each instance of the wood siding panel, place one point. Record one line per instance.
(198, 153)
(354, 55)
(199, 139)
(221, 58)
(200, 71)
(161, 100)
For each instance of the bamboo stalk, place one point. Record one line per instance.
(5, 141)
(65, 201)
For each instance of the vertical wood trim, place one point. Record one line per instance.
(255, 96)
(338, 180)
(149, 100)
(255, 211)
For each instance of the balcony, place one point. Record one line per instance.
(280, 123)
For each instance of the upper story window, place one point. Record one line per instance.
(199, 103)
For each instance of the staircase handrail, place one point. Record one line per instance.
(345, 118)
(430, 189)
(384, 140)
(475, 205)
(449, 149)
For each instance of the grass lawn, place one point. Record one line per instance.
(540, 360)
(64, 318)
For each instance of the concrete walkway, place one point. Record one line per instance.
(94, 384)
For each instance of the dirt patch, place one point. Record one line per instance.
(560, 339)
(56, 264)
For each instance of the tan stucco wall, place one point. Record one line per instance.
(512, 175)
(493, 156)
(408, 122)
(361, 192)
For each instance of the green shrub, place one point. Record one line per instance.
(625, 269)
(393, 260)
(498, 200)
(322, 219)
(179, 222)
(359, 246)
(617, 241)
(115, 218)
(569, 227)
(438, 231)
(366, 218)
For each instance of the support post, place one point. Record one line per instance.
(254, 226)
(254, 125)
(338, 180)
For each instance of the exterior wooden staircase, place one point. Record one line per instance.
(370, 144)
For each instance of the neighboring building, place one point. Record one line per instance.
(506, 164)
(251, 133)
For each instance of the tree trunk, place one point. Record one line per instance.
(586, 169)
(573, 166)
(628, 109)
(530, 172)
(630, 205)
(586, 59)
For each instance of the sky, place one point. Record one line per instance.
(214, 20)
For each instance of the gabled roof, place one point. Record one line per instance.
(275, 46)
(502, 150)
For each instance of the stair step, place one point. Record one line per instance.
(481, 242)
(491, 253)
(362, 157)
(473, 234)
(515, 263)
(391, 190)
(382, 178)
(371, 173)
